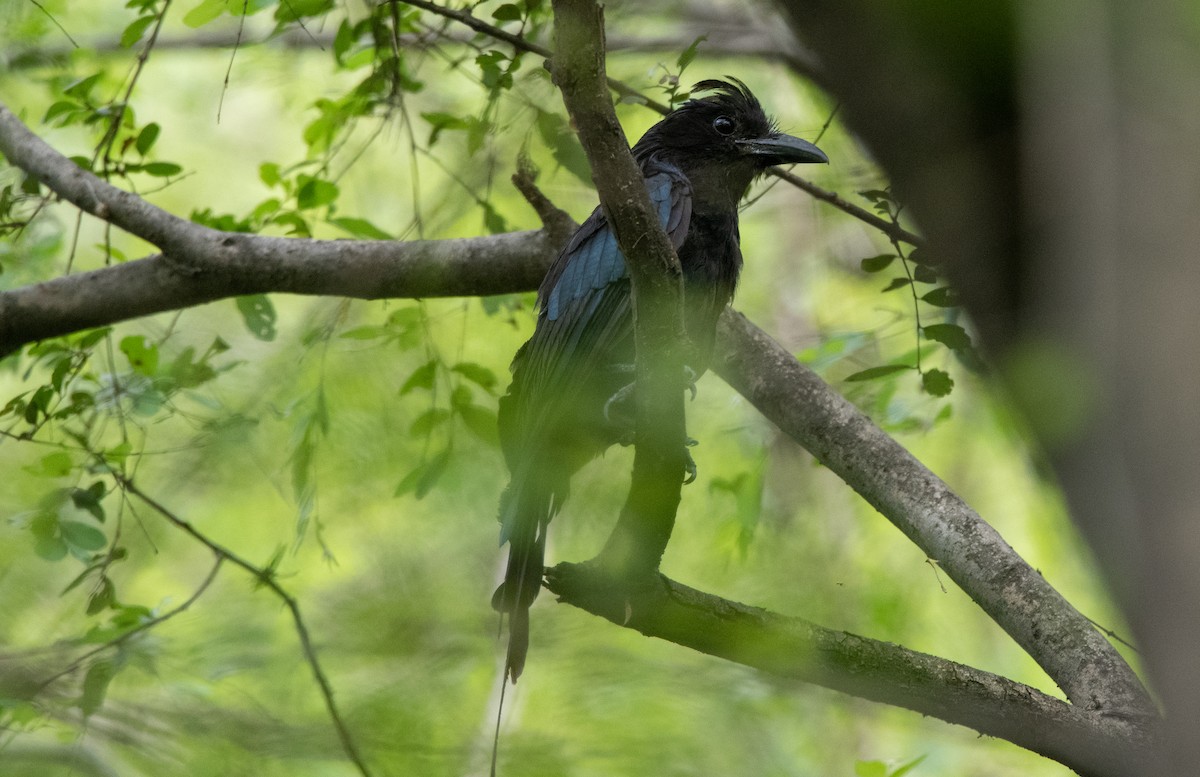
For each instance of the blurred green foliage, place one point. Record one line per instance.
(347, 450)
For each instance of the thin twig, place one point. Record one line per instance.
(265, 577)
(142, 627)
(237, 44)
(891, 230)
(106, 143)
(55, 22)
(521, 44)
(623, 89)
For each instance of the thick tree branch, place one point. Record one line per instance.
(656, 606)
(364, 269)
(1077, 657)
(642, 532)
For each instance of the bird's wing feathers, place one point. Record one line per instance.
(584, 316)
(592, 259)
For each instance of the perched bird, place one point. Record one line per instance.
(572, 375)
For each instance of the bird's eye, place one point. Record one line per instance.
(723, 125)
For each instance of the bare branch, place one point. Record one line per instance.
(266, 578)
(656, 606)
(142, 627)
(1077, 657)
(893, 231)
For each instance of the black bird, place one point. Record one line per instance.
(574, 372)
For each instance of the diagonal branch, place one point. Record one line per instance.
(265, 577)
(793, 648)
(1077, 657)
(646, 521)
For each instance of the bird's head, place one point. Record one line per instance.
(723, 140)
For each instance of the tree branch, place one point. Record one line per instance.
(656, 606)
(266, 578)
(798, 64)
(1063, 642)
(364, 269)
(646, 521)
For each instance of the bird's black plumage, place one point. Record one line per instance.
(698, 163)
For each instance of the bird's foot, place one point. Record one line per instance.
(689, 382)
(619, 397)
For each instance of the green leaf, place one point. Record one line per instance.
(80, 88)
(162, 169)
(477, 374)
(494, 78)
(141, 353)
(50, 548)
(877, 263)
(118, 453)
(268, 173)
(296, 9)
(493, 222)
(937, 383)
(361, 228)
(460, 397)
(136, 29)
(422, 377)
(481, 422)
(146, 138)
(433, 472)
(89, 499)
(689, 53)
(897, 283)
(507, 13)
(102, 598)
(259, 315)
(421, 480)
(924, 274)
(878, 372)
(870, 769)
(942, 297)
(55, 465)
(428, 421)
(61, 108)
(204, 13)
(343, 40)
(95, 686)
(315, 192)
(82, 536)
(949, 335)
(877, 195)
(441, 122)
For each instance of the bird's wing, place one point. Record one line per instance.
(584, 315)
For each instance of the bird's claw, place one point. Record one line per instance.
(689, 464)
(690, 381)
(619, 396)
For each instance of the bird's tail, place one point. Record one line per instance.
(524, 513)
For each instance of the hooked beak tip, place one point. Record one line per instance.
(781, 149)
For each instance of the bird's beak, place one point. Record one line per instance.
(780, 149)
